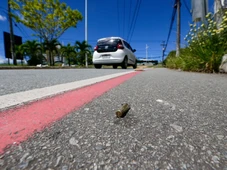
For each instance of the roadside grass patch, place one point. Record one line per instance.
(206, 46)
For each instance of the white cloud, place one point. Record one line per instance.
(2, 18)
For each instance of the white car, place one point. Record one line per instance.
(114, 51)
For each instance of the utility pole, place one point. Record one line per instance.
(11, 36)
(86, 62)
(219, 11)
(163, 50)
(178, 5)
(146, 51)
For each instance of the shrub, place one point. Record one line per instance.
(206, 46)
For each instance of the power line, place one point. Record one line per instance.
(137, 2)
(21, 30)
(133, 23)
(171, 24)
(124, 20)
(129, 18)
(188, 9)
(118, 17)
(15, 24)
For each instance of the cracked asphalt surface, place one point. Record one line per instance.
(177, 120)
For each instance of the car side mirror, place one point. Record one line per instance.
(134, 50)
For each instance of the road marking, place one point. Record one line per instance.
(19, 98)
(17, 124)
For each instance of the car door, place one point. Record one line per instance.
(129, 52)
(133, 54)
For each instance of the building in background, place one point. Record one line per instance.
(199, 10)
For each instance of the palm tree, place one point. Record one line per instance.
(51, 47)
(20, 51)
(82, 49)
(69, 52)
(33, 50)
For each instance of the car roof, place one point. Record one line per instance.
(110, 38)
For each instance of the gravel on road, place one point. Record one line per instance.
(177, 120)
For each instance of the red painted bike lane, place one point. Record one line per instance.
(17, 124)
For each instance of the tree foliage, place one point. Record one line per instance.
(49, 19)
(51, 47)
(20, 51)
(206, 46)
(82, 49)
(69, 53)
(33, 50)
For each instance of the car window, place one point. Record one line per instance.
(107, 45)
(127, 45)
(108, 41)
(130, 47)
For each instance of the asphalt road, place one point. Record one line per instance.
(177, 120)
(12, 81)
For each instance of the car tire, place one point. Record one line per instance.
(135, 65)
(124, 64)
(98, 66)
(114, 66)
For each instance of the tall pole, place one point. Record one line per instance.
(163, 50)
(11, 36)
(146, 51)
(86, 63)
(178, 28)
(219, 12)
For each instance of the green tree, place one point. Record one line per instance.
(69, 53)
(51, 48)
(49, 19)
(20, 51)
(33, 50)
(82, 49)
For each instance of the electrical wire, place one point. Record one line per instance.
(118, 17)
(171, 25)
(129, 18)
(21, 30)
(188, 9)
(124, 20)
(134, 20)
(137, 2)
(16, 24)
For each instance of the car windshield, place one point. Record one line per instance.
(107, 45)
(112, 42)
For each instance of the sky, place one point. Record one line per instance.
(107, 18)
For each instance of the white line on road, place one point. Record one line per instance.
(19, 98)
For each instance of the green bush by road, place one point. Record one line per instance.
(206, 46)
